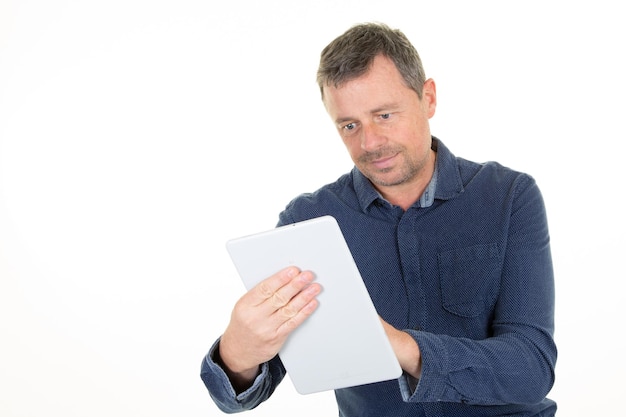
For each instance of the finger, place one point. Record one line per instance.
(284, 295)
(278, 290)
(291, 323)
(296, 304)
(266, 288)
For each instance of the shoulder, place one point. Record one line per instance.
(498, 185)
(328, 199)
(491, 172)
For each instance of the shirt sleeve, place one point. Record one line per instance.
(222, 391)
(515, 365)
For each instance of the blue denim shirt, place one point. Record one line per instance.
(466, 271)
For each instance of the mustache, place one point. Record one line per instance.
(380, 153)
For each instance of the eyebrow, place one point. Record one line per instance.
(343, 120)
(384, 107)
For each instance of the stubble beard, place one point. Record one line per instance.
(407, 169)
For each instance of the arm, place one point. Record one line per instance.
(515, 363)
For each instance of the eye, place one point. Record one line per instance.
(349, 129)
(385, 116)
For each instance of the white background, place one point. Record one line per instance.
(137, 136)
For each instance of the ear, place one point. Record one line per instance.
(429, 97)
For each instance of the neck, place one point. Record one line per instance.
(404, 195)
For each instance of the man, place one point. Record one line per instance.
(455, 255)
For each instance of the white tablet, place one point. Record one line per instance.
(343, 343)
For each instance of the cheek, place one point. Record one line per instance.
(353, 147)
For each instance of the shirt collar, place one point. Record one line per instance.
(445, 183)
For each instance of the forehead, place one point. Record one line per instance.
(382, 84)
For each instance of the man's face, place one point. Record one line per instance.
(384, 125)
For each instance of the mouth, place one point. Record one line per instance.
(383, 163)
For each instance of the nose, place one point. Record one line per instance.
(371, 137)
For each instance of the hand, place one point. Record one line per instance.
(405, 348)
(262, 319)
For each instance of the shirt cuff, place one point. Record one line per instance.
(222, 390)
(431, 386)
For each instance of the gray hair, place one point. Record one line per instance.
(350, 55)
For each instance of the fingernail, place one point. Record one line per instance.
(306, 277)
(314, 289)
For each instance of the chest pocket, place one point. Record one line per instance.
(470, 279)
